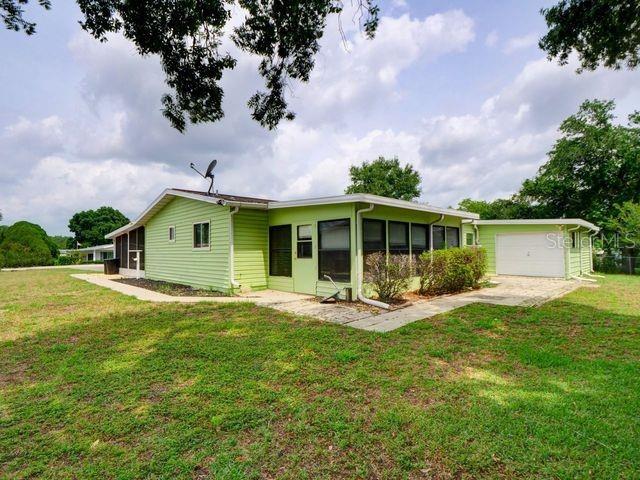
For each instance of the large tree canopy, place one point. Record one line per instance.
(186, 35)
(602, 32)
(500, 209)
(385, 177)
(591, 168)
(90, 226)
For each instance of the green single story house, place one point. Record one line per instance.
(232, 243)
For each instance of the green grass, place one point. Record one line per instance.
(97, 385)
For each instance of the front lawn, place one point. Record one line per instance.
(94, 384)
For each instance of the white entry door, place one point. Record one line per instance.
(531, 254)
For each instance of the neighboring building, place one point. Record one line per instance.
(232, 243)
(91, 254)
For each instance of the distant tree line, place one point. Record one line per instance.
(26, 244)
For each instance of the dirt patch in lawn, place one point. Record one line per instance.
(168, 288)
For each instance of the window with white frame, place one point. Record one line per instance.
(201, 235)
(172, 233)
(575, 239)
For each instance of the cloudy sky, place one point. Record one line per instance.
(457, 88)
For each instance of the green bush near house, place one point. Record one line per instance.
(389, 277)
(452, 270)
(26, 244)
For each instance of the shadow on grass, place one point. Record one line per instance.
(238, 391)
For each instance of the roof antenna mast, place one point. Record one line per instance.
(209, 174)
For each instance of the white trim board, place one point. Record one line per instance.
(540, 221)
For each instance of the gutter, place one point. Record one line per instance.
(232, 275)
(359, 260)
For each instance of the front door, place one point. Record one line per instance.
(304, 258)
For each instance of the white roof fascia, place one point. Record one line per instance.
(374, 199)
(541, 221)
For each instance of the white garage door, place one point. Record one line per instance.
(532, 254)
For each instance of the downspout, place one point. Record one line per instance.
(359, 266)
(232, 275)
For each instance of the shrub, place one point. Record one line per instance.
(390, 277)
(451, 271)
(73, 258)
(25, 244)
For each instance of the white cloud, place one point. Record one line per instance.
(492, 39)
(364, 72)
(518, 43)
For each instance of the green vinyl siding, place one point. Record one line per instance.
(178, 261)
(306, 279)
(251, 234)
(579, 257)
(467, 231)
(573, 254)
(586, 254)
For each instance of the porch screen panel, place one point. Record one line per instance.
(438, 237)
(124, 251)
(453, 237)
(280, 251)
(398, 238)
(334, 250)
(118, 250)
(133, 245)
(419, 239)
(374, 238)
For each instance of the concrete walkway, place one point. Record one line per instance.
(511, 291)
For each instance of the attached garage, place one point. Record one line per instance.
(555, 248)
(530, 254)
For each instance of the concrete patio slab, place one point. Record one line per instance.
(510, 291)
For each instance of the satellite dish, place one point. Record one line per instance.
(210, 168)
(209, 174)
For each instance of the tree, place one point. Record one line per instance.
(591, 168)
(500, 209)
(385, 177)
(601, 32)
(26, 244)
(90, 226)
(63, 241)
(626, 223)
(187, 34)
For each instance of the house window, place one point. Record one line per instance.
(334, 250)
(172, 234)
(575, 239)
(438, 237)
(374, 238)
(201, 235)
(280, 251)
(305, 245)
(453, 237)
(419, 239)
(398, 238)
(469, 240)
